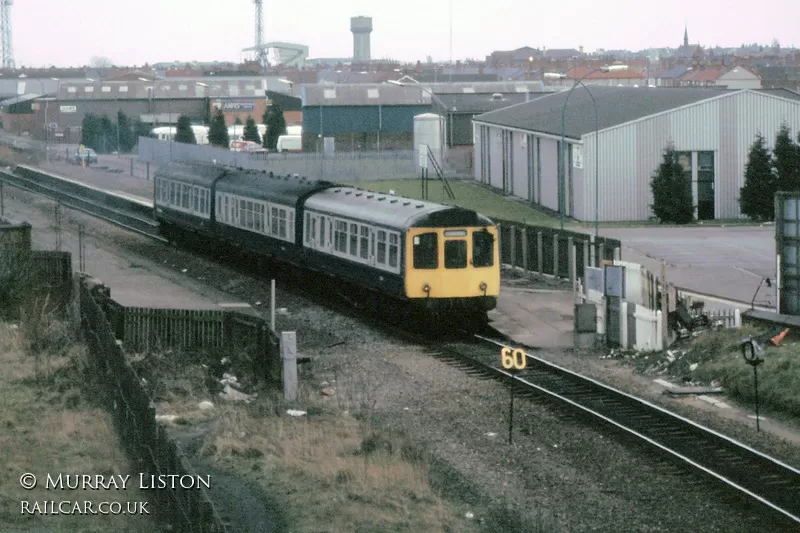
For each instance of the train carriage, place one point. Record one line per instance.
(183, 198)
(443, 257)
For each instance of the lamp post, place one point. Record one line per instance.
(435, 99)
(562, 152)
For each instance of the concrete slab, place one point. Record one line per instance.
(542, 319)
(728, 262)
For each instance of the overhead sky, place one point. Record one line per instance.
(69, 33)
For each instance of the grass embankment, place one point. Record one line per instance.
(469, 195)
(328, 469)
(47, 427)
(719, 360)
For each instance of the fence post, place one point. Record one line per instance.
(540, 252)
(659, 331)
(272, 305)
(131, 166)
(525, 250)
(593, 252)
(555, 254)
(148, 170)
(737, 318)
(573, 268)
(289, 349)
(513, 238)
(618, 253)
(623, 324)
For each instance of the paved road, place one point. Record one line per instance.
(728, 262)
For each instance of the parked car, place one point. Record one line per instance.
(87, 154)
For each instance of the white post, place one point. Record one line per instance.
(737, 318)
(623, 324)
(664, 308)
(658, 331)
(272, 305)
(289, 354)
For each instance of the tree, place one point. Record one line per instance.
(184, 133)
(672, 190)
(143, 129)
(251, 131)
(786, 160)
(218, 131)
(237, 121)
(276, 126)
(89, 131)
(100, 62)
(126, 138)
(757, 197)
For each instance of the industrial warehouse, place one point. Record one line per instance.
(615, 140)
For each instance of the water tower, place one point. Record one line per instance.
(361, 28)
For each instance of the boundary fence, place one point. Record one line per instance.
(146, 442)
(547, 250)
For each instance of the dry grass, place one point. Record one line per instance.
(331, 471)
(45, 427)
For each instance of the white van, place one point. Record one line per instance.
(289, 143)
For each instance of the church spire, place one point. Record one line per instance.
(685, 35)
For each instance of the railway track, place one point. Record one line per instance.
(754, 475)
(119, 216)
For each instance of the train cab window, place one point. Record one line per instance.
(394, 249)
(354, 239)
(455, 254)
(364, 252)
(381, 258)
(426, 251)
(482, 249)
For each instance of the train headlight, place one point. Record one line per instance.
(426, 288)
(483, 286)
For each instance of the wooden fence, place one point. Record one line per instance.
(547, 250)
(146, 442)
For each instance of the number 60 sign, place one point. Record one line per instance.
(515, 359)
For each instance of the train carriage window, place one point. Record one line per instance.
(381, 259)
(171, 192)
(250, 222)
(226, 212)
(195, 199)
(364, 242)
(322, 243)
(275, 229)
(282, 222)
(455, 254)
(290, 220)
(394, 245)
(354, 239)
(257, 216)
(308, 227)
(340, 236)
(314, 229)
(482, 249)
(372, 245)
(426, 251)
(242, 213)
(265, 217)
(185, 196)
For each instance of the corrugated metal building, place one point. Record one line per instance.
(516, 148)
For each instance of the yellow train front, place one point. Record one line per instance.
(440, 259)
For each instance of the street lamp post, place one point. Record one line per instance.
(563, 152)
(435, 99)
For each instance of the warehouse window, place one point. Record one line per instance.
(482, 249)
(426, 251)
(394, 246)
(364, 242)
(455, 254)
(381, 259)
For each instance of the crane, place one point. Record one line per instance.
(261, 52)
(5, 29)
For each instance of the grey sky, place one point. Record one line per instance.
(68, 33)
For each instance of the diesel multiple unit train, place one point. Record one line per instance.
(439, 259)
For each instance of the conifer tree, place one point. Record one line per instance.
(276, 126)
(757, 197)
(672, 191)
(218, 131)
(786, 160)
(184, 133)
(251, 131)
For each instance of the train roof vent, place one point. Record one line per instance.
(382, 198)
(394, 201)
(370, 196)
(420, 205)
(338, 190)
(348, 192)
(406, 203)
(359, 194)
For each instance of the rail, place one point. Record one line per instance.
(755, 475)
(125, 213)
